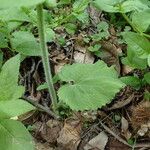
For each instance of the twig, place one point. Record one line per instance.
(143, 145)
(113, 134)
(40, 107)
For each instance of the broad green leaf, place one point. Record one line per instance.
(12, 108)
(120, 5)
(141, 20)
(13, 14)
(107, 5)
(14, 136)
(132, 5)
(25, 43)
(89, 86)
(4, 4)
(137, 43)
(147, 77)
(9, 88)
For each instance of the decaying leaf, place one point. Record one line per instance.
(83, 56)
(69, 136)
(124, 127)
(98, 142)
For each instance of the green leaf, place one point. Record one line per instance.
(9, 88)
(148, 60)
(18, 3)
(89, 86)
(50, 35)
(120, 5)
(50, 3)
(132, 5)
(42, 86)
(137, 43)
(12, 108)
(13, 14)
(3, 40)
(147, 77)
(107, 5)
(70, 28)
(80, 5)
(132, 81)
(1, 59)
(14, 136)
(25, 43)
(141, 20)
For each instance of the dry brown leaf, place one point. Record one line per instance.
(124, 127)
(83, 57)
(122, 103)
(99, 142)
(50, 131)
(69, 136)
(42, 146)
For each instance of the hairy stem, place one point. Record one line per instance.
(45, 55)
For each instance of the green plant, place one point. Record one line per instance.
(14, 135)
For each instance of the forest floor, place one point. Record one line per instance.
(119, 125)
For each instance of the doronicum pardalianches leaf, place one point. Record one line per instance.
(4, 4)
(14, 136)
(137, 43)
(107, 5)
(25, 43)
(9, 88)
(10, 92)
(141, 20)
(120, 5)
(13, 14)
(12, 108)
(89, 86)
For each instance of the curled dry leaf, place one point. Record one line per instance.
(98, 142)
(69, 136)
(124, 127)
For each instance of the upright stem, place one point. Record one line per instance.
(45, 55)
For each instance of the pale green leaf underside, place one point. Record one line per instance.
(14, 136)
(93, 85)
(25, 43)
(12, 108)
(18, 3)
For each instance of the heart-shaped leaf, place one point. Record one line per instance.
(89, 86)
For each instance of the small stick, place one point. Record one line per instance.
(40, 107)
(143, 145)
